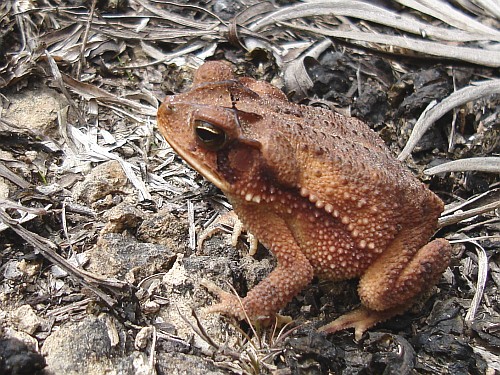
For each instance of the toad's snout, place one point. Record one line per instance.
(167, 108)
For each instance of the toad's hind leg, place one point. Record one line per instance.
(391, 283)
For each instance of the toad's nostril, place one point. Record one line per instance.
(166, 109)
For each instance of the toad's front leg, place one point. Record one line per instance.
(291, 275)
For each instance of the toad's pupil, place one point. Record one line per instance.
(210, 136)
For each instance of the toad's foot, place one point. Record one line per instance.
(360, 319)
(229, 219)
(232, 305)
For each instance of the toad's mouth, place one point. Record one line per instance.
(195, 162)
(198, 165)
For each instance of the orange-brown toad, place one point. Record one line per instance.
(320, 190)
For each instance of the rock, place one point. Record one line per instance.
(121, 217)
(11, 270)
(184, 364)
(96, 345)
(17, 358)
(121, 256)
(26, 320)
(166, 229)
(107, 178)
(35, 109)
(100, 345)
(142, 338)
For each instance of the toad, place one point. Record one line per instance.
(320, 190)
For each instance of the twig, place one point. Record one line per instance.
(85, 39)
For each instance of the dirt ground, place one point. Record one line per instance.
(99, 268)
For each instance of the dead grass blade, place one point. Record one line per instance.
(27, 213)
(177, 57)
(91, 92)
(13, 177)
(66, 45)
(443, 11)
(488, 7)
(175, 18)
(192, 226)
(81, 61)
(477, 205)
(59, 83)
(434, 110)
(368, 12)
(472, 55)
(437, 41)
(482, 276)
(484, 164)
(297, 81)
(99, 153)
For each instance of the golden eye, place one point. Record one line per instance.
(210, 136)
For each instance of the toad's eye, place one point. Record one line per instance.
(210, 136)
